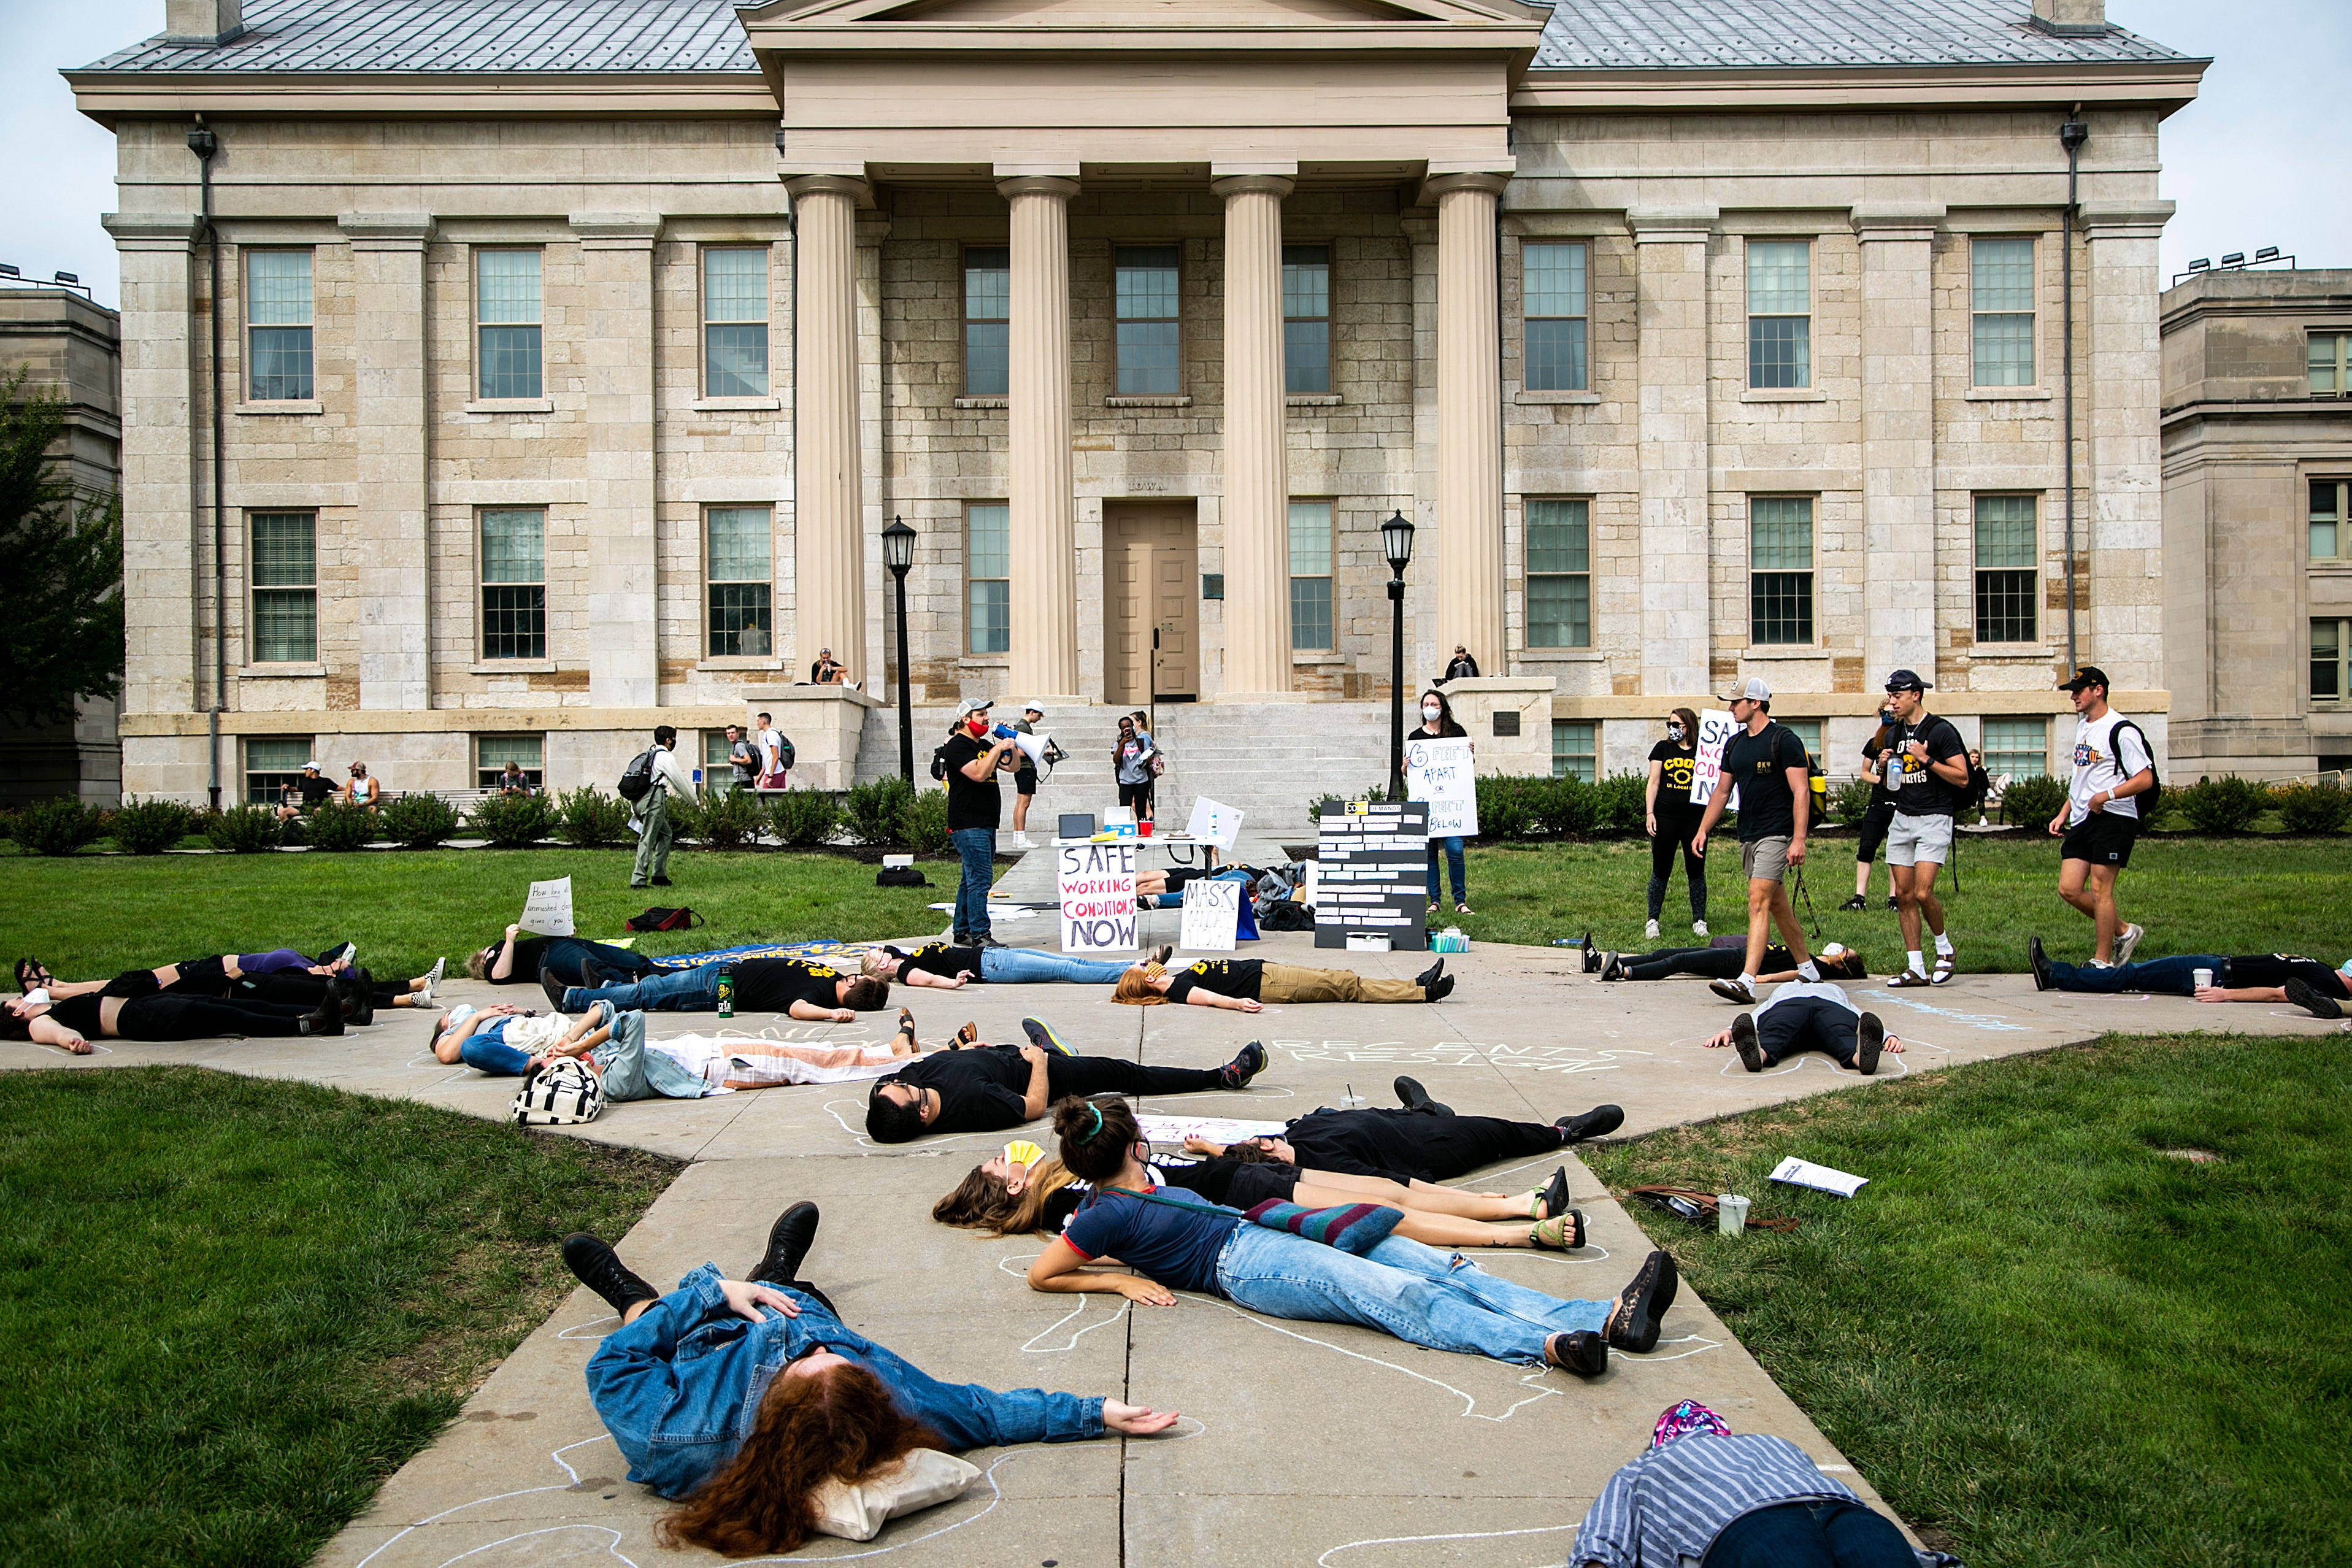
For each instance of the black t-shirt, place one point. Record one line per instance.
(1917, 791)
(1759, 764)
(1676, 765)
(314, 790)
(2277, 968)
(980, 1091)
(80, 1013)
(1225, 976)
(939, 958)
(529, 953)
(774, 984)
(970, 805)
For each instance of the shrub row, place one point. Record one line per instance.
(1513, 807)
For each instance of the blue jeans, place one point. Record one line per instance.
(1028, 966)
(1421, 1295)
(631, 1072)
(1451, 845)
(1818, 1532)
(2161, 977)
(977, 845)
(694, 990)
(493, 1054)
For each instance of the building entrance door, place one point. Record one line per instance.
(1151, 559)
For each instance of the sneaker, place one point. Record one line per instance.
(1591, 954)
(1641, 1305)
(1162, 954)
(1892, 903)
(2040, 959)
(1413, 1096)
(2127, 943)
(1583, 1352)
(422, 998)
(433, 976)
(1650, 931)
(598, 1266)
(2312, 1000)
(1021, 841)
(1698, 928)
(984, 939)
(789, 1240)
(1428, 977)
(1944, 969)
(1743, 1041)
(553, 987)
(1238, 1072)
(593, 976)
(661, 881)
(1869, 1037)
(341, 952)
(359, 998)
(1734, 990)
(1612, 966)
(1598, 1123)
(1854, 902)
(1439, 989)
(1041, 1035)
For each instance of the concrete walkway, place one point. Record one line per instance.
(1301, 1443)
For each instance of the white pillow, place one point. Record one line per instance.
(924, 1478)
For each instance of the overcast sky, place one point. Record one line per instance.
(2261, 158)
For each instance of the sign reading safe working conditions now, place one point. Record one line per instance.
(1371, 875)
(1096, 882)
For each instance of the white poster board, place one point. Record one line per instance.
(1213, 822)
(1212, 914)
(1715, 731)
(1440, 773)
(1096, 883)
(548, 911)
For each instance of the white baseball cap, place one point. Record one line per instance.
(1033, 706)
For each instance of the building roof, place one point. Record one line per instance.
(598, 37)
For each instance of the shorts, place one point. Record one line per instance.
(1765, 859)
(1136, 797)
(2101, 839)
(1025, 781)
(1912, 839)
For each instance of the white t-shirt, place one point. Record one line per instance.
(772, 751)
(2097, 767)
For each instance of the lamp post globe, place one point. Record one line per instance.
(898, 554)
(898, 546)
(1396, 541)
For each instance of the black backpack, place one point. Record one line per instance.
(785, 754)
(637, 778)
(2146, 800)
(940, 763)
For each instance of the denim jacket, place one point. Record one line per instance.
(680, 1387)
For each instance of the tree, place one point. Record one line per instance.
(61, 634)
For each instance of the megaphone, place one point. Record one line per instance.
(1039, 749)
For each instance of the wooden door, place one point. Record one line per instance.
(1152, 568)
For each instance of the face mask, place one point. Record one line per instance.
(1431, 713)
(1021, 1151)
(1673, 732)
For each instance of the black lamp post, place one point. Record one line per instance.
(1396, 544)
(898, 554)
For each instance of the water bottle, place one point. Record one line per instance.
(727, 994)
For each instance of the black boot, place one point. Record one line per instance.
(361, 988)
(600, 1268)
(326, 1019)
(1641, 1305)
(1598, 1123)
(1428, 977)
(1413, 1096)
(789, 1240)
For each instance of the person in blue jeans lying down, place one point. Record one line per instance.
(506, 1041)
(947, 966)
(2305, 982)
(807, 989)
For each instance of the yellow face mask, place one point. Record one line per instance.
(1021, 1151)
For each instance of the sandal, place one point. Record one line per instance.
(1461, 909)
(1554, 1197)
(1907, 979)
(906, 1022)
(966, 1038)
(32, 973)
(1564, 1233)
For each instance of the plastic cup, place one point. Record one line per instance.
(1144, 828)
(1730, 1214)
(2204, 978)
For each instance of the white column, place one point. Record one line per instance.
(2119, 388)
(1044, 610)
(1468, 553)
(391, 432)
(1899, 442)
(827, 494)
(1669, 314)
(618, 352)
(1256, 505)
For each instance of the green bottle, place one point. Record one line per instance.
(727, 994)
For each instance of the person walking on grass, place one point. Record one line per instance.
(975, 806)
(2100, 822)
(1768, 765)
(1673, 820)
(651, 817)
(1927, 775)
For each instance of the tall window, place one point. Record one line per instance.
(2331, 640)
(988, 573)
(1575, 748)
(2000, 288)
(735, 321)
(1780, 569)
(1559, 573)
(742, 618)
(2009, 578)
(273, 764)
(1310, 575)
(285, 582)
(2016, 748)
(492, 752)
(1146, 291)
(507, 311)
(1808, 730)
(514, 582)
(987, 319)
(2331, 524)
(1779, 312)
(718, 773)
(1306, 320)
(278, 325)
(2331, 364)
(1552, 274)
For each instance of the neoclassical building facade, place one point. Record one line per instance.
(566, 373)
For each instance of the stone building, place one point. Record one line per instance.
(2258, 541)
(67, 345)
(574, 369)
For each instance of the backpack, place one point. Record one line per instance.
(2146, 800)
(665, 919)
(564, 1093)
(637, 778)
(785, 754)
(939, 764)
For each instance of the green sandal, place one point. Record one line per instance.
(1562, 1234)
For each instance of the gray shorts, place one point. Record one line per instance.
(1911, 839)
(1765, 859)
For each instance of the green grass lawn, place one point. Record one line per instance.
(229, 1308)
(2041, 1337)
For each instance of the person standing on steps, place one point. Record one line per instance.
(975, 806)
(1673, 819)
(1024, 776)
(1130, 763)
(1774, 776)
(1437, 721)
(651, 817)
(2101, 821)
(1928, 776)
(1879, 817)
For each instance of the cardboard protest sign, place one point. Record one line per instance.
(1213, 822)
(1715, 732)
(1096, 883)
(1212, 911)
(1440, 772)
(548, 911)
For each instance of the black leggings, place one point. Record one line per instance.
(1412, 1145)
(309, 990)
(168, 1016)
(1875, 824)
(1675, 832)
(1706, 963)
(1084, 1076)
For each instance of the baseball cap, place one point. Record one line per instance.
(977, 705)
(1033, 706)
(2086, 676)
(1909, 680)
(312, 766)
(1753, 690)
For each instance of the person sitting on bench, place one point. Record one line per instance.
(1808, 1017)
(2305, 982)
(989, 1088)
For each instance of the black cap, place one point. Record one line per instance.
(1909, 680)
(2085, 677)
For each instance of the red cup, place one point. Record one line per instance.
(1144, 828)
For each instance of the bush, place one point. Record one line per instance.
(927, 822)
(2226, 805)
(807, 817)
(512, 821)
(419, 821)
(586, 817)
(1511, 808)
(243, 829)
(1849, 800)
(875, 812)
(2315, 807)
(150, 827)
(336, 826)
(2031, 802)
(1620, 804)
(1569, 807)
(57, 826)
(730, 819)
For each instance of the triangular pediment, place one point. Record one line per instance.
(1147, 15)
